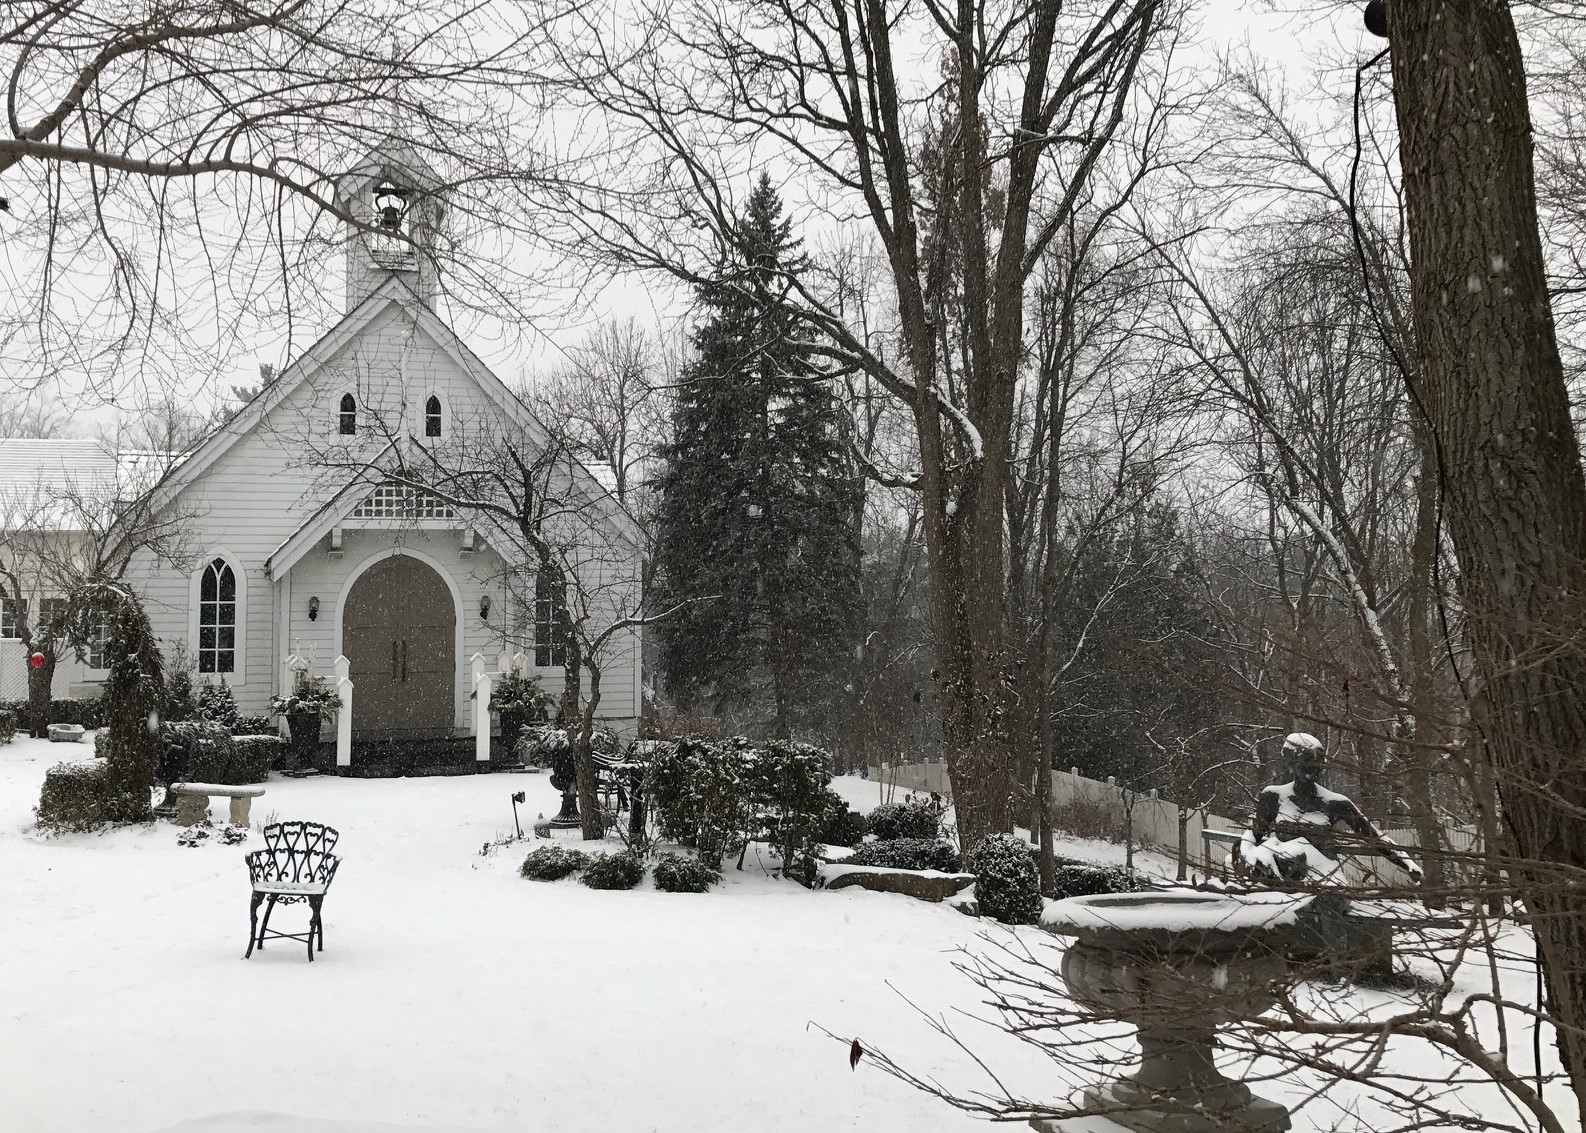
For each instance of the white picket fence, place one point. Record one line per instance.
(1092, 808)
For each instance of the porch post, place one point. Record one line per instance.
(476, 670)
(482, 718)
(343, 669)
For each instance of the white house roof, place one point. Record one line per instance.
(47, 483)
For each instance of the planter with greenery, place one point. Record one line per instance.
(306, 709)
(520, 701)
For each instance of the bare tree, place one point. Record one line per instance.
(609, 401)
(963, 180)
(170, 172)
(66, 544)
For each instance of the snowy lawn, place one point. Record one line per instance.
(452, 995)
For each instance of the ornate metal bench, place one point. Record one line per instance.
(296, 866)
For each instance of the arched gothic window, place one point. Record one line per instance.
(432, 417)
(349, 415)
(217, 619)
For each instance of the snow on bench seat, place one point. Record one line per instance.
(192, 802)
(213, 789)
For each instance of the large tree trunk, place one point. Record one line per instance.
(1495, 391)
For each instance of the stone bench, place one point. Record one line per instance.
(192, 801)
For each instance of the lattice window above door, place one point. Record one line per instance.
(403, 501)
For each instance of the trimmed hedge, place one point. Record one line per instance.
(1092, 881)
(89, 711)
(677, 874)
(552, 863)
(8, 726)
(1007, 884)
(907, 853)
(203, 751)
(76, 797)
(912, 818)
(613, 871)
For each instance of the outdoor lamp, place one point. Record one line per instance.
(390, 204)
(313, 609)
(484, 607)
(1377, 18)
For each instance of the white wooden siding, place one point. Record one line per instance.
(261, 490)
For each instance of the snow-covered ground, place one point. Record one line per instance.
(452, 995)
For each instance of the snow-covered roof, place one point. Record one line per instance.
(604, 473)
(43, 481)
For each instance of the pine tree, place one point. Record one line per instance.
(134, 691)
(756, 502)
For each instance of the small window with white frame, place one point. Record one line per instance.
(98, 640)
(13, 614)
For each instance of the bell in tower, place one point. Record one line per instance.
(396, 196)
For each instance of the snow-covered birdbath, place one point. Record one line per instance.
(1177, 964)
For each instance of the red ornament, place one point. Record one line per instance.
(36, 660)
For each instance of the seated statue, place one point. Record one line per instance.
(1293, 835)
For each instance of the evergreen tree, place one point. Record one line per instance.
(134, 691)
(757, 504)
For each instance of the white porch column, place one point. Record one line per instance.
(476, 670)
(482, 718)
(344, 716)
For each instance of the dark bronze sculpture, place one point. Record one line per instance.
(1300, 827)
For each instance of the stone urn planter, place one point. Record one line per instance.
(1177, 964)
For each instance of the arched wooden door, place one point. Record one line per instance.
(399, 634)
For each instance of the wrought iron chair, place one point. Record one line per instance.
(295, 866)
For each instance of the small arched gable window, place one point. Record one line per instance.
(217, 618)
(349, 415)
(432, 417)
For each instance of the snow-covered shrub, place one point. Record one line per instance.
(907, 853)
(788, 788)
(255, 756)
(714, 795)
(89, 711)
(194, 746)
(8, 726)
(77, 796)
(254, 726)
(840, 826)
(613, 871)
(134, 692)
(217, 705)
(915, 817)
(1007, 885)
(700, 791)
(552, 863)
(675, 873)
(180, 701)
(1091, 881)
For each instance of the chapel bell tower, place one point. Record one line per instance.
(396, 192)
